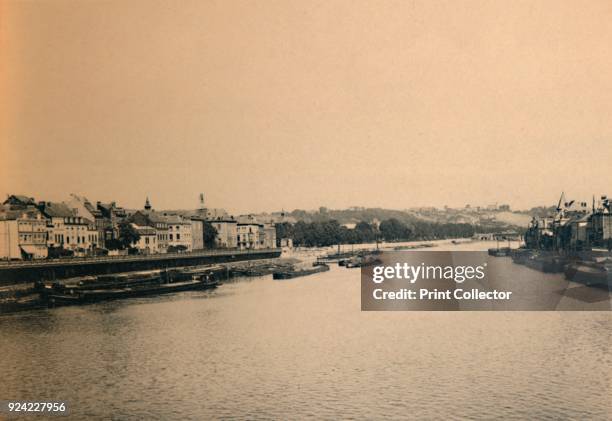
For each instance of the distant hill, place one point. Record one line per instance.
(484, 218)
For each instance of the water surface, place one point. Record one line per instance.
(260, 349)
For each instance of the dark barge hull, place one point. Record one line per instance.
(546, 264)
(93, 296)
(298, 273)
(499, 252)
(520, 256)
(589, 274)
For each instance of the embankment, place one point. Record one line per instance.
(46, 270)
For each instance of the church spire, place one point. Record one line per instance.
(147, 205)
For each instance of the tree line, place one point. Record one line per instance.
(330, 232)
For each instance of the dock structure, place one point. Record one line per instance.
(46, 270)
(497, 236)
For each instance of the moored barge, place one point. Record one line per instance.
(57, 294)
(290, 274)
(499, 251)
(590, 273)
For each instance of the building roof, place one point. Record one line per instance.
(155, 217)
(219, 219)
(248, 220)
(21, 198)
(87, 205)
(108, 208)
(208, 213)
(12, 214)
(152, 217)
(144, 230)
(54, 209)
(95, 212)
(176, 219)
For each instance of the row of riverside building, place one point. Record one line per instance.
(78, 227)
(574, 226)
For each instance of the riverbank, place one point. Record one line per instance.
(45, 270)
(25, 296)
(21, 295)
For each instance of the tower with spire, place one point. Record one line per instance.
(147, 205)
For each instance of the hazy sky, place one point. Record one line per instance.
(265, 105)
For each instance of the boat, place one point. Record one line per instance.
(105, 282)
(546, 263)
(62, 295)
(520, 255)
(595, 273)
(319, 263)
(250, 272)
(362, 261)
(296, 273)
(355, 262)
(499, 251)
(415, 246)
(333, 258)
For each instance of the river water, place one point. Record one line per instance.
(260, 349)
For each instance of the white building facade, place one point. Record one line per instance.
(179, 232)
(23, 235)
(227, 232)
(147, 243)
(68, 231)
(197, 233)
(249, 235)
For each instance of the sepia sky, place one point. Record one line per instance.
(264, 105)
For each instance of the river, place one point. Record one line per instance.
(259, 349)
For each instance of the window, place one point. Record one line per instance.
(178, 236)
(170, 237)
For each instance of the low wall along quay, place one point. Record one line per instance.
(46, 270)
